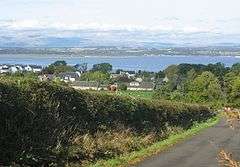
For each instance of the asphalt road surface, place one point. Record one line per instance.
(199, 151)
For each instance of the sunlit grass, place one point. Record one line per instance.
(137, 156)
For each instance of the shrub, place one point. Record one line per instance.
(122, 87)
(40, 121)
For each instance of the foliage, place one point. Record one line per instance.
(81, 67)
(212, 84)
(44, 124)
(156, 148)
(205, 87)
(164, 92)
(232, 84)
(171, 71)
(159, 75)
(122, 87)
(226, 160)
(59, 63)
(97, 76)
(102, 67)
(145, 75)
(236, 68)
(58, 67)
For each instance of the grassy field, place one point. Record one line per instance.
(129, 93)
(137, 94)
(137, 156)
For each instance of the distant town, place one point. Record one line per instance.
(100, 77)
(128, 51)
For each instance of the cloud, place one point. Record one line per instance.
(172, 25)
(47, 33)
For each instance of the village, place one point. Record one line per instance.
(80, 77)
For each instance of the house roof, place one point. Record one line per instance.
(36, 66)
(129, 72)
(68, 74)
(146, 85)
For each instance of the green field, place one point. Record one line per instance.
(128, 93)
(137, 94)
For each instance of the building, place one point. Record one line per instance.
(36, 68)
(132, 84)
(4, 68)
(27, 68)
(88, 85)
(149, 86)
(130, 74)
(114, 76)
(69, 76)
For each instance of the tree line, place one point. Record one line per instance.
(212, 83)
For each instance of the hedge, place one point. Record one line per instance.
(38, 120)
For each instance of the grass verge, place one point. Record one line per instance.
(137, 156)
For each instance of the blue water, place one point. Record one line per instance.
(150, 63)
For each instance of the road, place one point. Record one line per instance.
(199, 151)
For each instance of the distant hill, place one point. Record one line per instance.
(125, 51)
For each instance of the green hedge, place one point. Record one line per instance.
(38, 120)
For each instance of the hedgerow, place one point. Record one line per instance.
(48, 124)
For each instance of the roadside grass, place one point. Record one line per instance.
(138, 156)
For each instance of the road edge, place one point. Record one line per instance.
(136, 157)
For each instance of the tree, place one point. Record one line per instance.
(102, 67)
(58, 67)
(164, 92)
(236, 68)
(171, 71)
(97, 76)
(234, 95)
(218, 69)
(191, 75)
(232, 88)
(118, 71)
(205, 88)
(184, 68)
(122, 87)
(159, 75)
(59, 63)
(81, 67)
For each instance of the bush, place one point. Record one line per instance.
(40, 121)
(122, 87)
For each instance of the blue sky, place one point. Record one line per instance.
(68, 18)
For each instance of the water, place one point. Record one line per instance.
(149, 63)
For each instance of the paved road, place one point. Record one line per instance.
(199, 151)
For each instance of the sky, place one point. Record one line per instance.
(69, 18)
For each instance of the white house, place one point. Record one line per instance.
(13, 69)
(139, 79)
(19, 67)
(4, 69)
(130, 74)
(36, 68)
(69, 76)
(28, 68)
(148, 86)
(134, 84)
